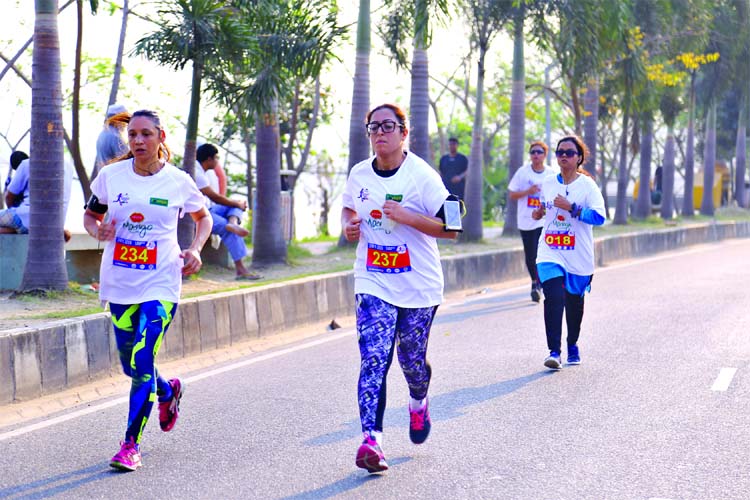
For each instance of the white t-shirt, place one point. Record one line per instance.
(565, 240)
(521, 181)
(19, 185)
(202, 181)
(143, 262)
(396, 262)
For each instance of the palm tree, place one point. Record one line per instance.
(486, 18)
(291, 41)
(45, 264)
(517, 128)
(709, 160)
(670, 106)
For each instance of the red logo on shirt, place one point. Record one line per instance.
(137, 217)
(376, 214)
(561, 217)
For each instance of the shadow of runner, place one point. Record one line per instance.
(55, 485)
(443, 407)
(348, 483)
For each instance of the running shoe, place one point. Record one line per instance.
(370, 456)
(553, 361)
(170, 410)
(128, 458)
(574, 357)
(419, 424)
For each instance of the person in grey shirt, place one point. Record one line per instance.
(110, 144)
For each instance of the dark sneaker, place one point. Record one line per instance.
(169, 411)
(370, 456)
(553, 361)
(574, 357)
(419, 424)
(128, 458)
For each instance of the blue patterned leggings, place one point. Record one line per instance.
(139, 331)
(379, 326)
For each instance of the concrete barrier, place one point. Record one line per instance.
(66, 353)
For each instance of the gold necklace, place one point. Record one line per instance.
(147, 170)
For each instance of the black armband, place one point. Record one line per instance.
(95, 206)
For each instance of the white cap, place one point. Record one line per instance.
(115, 109)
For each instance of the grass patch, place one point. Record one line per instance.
(69, 313)
(318, 239)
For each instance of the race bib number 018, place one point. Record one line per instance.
(560, 240)
(135, 254)
(388, 259)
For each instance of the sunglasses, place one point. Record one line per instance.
(570, 153)
(387, 126)
(536, 152)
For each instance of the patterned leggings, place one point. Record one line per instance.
(379, 326)
(139, 331)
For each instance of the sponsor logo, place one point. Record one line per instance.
(122, 199)
(137, 217)
(376, 214)
(364, 194)
(137, 228)
(158, 201)
(395, 197)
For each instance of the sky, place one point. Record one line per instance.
(168, 91)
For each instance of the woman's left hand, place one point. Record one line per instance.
(562, 202)
(192, 261)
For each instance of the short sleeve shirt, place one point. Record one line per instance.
(143, 262)
(524, 178)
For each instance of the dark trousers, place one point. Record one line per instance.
(530, 244)
(556, 300)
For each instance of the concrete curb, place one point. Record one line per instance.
(38, 361)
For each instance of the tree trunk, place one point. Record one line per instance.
(419, 134)
(475, 177)
(643, 205)
(45, 264)
(186, 226)
(709, 162)
(688, 210)
(268, 241)
(120, 50)
(667, 177)
(590, 124)
(75, 131)
(621, 210)
(359, 144)
(741, 155)
(517, 126)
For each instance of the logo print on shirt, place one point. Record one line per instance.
(398, 198)
(364, 194)
(376, 214)
(137, 217)
(122, 199)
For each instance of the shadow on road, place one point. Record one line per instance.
(55, 485)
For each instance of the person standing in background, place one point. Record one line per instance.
(453, 169)
(110, 144)
(524, 188)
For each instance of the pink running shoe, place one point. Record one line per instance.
(370, 456)
(419, 424)
(128, 458)
(170, 410)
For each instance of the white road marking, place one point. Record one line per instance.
(210, 373)
(724, 379)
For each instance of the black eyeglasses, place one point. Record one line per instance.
(570, 153)
(387, 126)
(536, 152)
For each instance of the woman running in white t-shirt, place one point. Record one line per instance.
(571, 205)
(134, 208)
(393, 206)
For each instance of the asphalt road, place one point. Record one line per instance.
(658, 409)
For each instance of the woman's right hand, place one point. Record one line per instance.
(106, 231)
(537, 213)
(351, 230)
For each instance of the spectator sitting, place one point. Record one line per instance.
(226, 212)
(15, 218)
